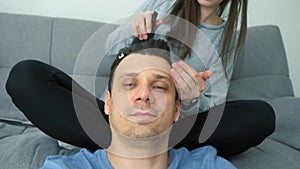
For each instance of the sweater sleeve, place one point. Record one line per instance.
(122, 36)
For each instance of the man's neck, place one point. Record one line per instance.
(156, 162)
(125, 152)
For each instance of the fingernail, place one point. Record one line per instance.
(175, 65)
(172, 71)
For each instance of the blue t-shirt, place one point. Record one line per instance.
(201, 158)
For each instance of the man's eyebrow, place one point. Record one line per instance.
(155, 75)
(159, 76)
(128, 75)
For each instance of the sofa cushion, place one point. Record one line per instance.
(260, 88)
(69, 37)
(268, 155)
(14, 116)
(262, 56)
(287, 110)
(28, 149)
(23, 37)
(7, 130)
(5, 100)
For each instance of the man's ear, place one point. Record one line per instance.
(177, 110)
(107, 102)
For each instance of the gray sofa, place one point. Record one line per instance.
(263, 75)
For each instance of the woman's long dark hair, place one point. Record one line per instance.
(190, 11)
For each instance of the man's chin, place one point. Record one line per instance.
(143, 131)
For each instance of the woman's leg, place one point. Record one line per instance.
(44, 94)
(244, 124)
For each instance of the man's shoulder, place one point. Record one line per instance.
(81, 159)
(203, 157)
(196, 153)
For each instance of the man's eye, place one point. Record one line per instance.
(160, 88)
(128, 85)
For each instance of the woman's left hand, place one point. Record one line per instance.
(189, 83)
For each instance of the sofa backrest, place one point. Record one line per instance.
(24, 37)
(72, 38)
(21, 37)
(57, 41)
(261, 71)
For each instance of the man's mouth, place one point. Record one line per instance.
(142, 117)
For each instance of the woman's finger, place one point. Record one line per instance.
(205, 75)
(134, 28)
(195, 80)
(200, 83)
(185, 87)
(186, 73)
(159, 22)
(142, 24)
(191, 71)
(148, 22)
(201, 77)
(179, 82)
(141, 27)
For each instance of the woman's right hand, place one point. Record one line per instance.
(189, 83)
(142, 24)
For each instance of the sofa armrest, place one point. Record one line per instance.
(287, 131)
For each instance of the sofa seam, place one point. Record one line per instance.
(250, 77)
(51, 41)
(282, 142)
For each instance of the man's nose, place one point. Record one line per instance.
(143, 94)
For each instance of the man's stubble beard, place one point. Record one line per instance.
(142, 131)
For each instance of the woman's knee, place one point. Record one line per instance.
(261, 114)
(267, 115)
(20, 75)
(255, 116)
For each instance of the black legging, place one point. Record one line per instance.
(44, 94)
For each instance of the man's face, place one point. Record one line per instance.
(142, 103)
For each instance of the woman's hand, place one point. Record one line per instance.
(142, 24)
(189, 83)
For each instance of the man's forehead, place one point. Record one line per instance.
(135, 63)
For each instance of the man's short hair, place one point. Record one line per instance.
(153, 47)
